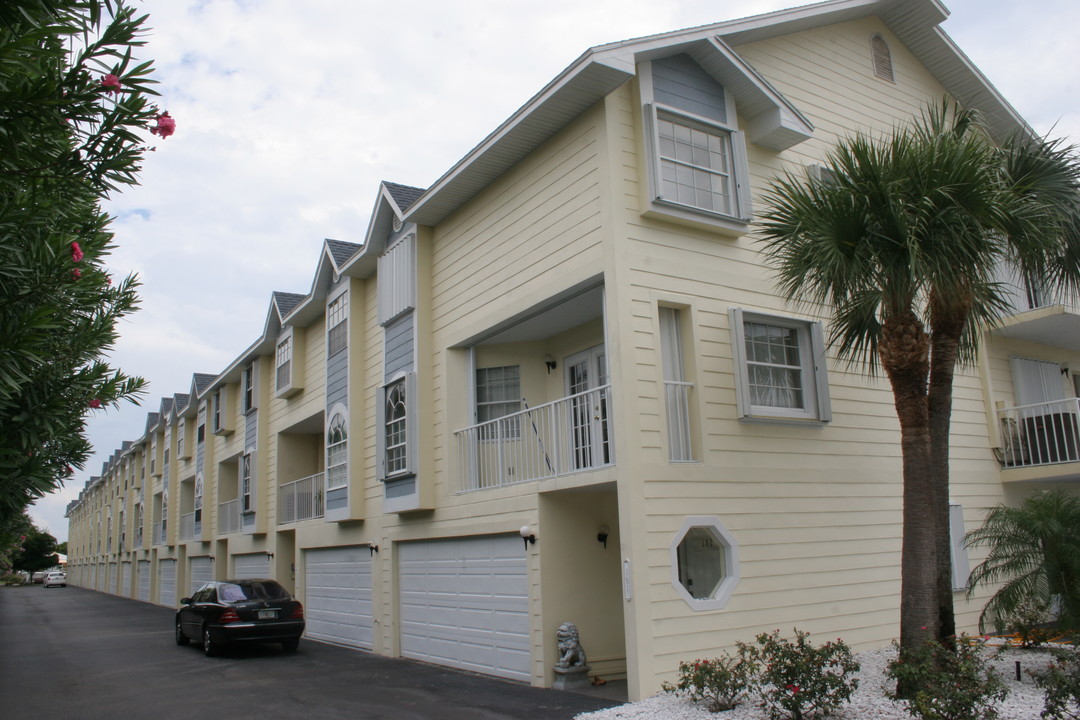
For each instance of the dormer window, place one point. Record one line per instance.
(882, 58)
(337, 315)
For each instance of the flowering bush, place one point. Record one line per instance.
(720, 683)
(800, 681)
(949, 684)
(1061, 681)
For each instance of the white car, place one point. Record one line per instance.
(55, 579)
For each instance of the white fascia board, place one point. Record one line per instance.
(577, 88)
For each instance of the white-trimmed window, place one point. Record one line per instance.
(283, 363)
(696, 165)
(337, 315)
(248, 388)
(181, 439)
(153, 454)
(395, 429)
(779, 367)
(221, 407)
(704, 563)
(198, 497)
(677, 390)
(498, 393)
(245, 482)
(200, 432)
(337, 452)
(961, 566)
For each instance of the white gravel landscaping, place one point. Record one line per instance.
(1024, 701)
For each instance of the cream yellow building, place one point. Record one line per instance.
(558, 384)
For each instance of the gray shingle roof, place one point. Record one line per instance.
(181, 401)
(342, 251)
(404, 195)
(202, 381)
(152, 419)
(287, 301)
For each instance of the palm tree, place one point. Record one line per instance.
(903, 237)
(1034, 553)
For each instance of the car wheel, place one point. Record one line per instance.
(209, 646)
(181, 638)
(290, 644)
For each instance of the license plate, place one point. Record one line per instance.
(267, 614)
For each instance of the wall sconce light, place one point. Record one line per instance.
(527, 535)
(269, 554)
(373, 548)
(550, 362)
(602, 535)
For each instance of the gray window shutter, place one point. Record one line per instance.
(738, 359)
(380, 433)
(412, 417)
(821, 373)
(742, 175)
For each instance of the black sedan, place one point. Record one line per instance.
(227, 611)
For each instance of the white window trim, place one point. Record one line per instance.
(677, 389)
(247, 493)
(338, 411)
(961, 565)
(814, 372)
(337, 312)
(411, 439)
(742, 207)
(730, 545)
(249, 397)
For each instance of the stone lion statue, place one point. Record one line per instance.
(571, 654)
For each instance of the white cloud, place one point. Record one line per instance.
(289, 114)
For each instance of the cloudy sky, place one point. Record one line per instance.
(290, 113)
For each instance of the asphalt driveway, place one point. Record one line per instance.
(75, 653)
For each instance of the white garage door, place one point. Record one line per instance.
(202, 571)
(253, 565)
(143, 568)
(125, 579)
(465, 603)
(110, 586)
(338, 601)
(167, 582)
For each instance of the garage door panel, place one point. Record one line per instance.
(464, 603)
(167, 582)
(339, 596)
(202, 571)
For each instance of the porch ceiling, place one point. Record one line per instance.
(544, 321)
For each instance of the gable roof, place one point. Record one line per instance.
(774, 121)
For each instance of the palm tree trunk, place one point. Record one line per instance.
(904, 352)
(944, 351)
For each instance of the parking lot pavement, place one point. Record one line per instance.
(75, 653)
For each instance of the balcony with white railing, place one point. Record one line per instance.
(302, 499)
(1042, 434)
(229, 517)
(187, 526)
(563, 437)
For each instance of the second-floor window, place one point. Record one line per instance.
(676, 387)
(498, 393)
(696, 167)
(283, 363)
(337, 453)
(395, 429)
(249, 388)
(245, 482)
(198, 498)
(337, 315)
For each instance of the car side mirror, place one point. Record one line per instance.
(185, 601)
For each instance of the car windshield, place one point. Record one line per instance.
(264, 590)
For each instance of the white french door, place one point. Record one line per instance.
(590, 441)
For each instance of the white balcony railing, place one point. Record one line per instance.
(677, 398)
(562, 437)
(187, 526)
(229, 517)
(302, 499)
(1040, 434)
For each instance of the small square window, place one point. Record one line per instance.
(780, 367)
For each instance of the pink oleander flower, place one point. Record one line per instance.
(794, 689)
(76, 252)
(76, 274)
(165, 127)
(110, 83)
(95, 403)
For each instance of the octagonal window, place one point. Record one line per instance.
(704, 563)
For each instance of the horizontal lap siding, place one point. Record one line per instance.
(816, 509)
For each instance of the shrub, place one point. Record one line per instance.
(950, 684)
(800, 681)
(1061, 681)
(720, 683)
